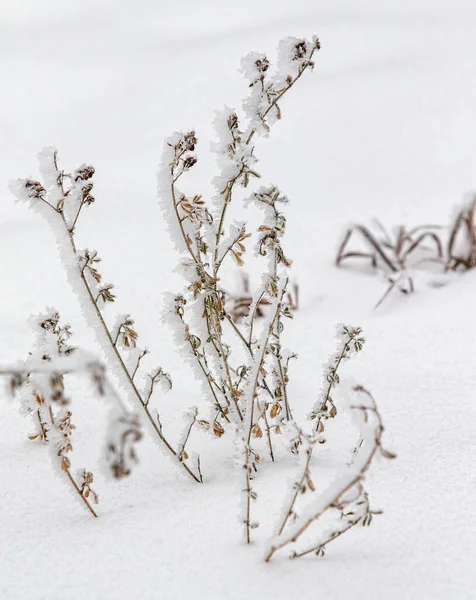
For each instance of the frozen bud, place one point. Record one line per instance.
(232, 121)
(87, 197)
(35, 189)
(84, 172)
(254, 66)
(262, 64)
(50, 323)
(300, 50)
(180, 303)
(189, 162)
(189, 141)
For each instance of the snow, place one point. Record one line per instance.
(383, 127)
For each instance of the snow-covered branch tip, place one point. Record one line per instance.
(349, 343)
(39, 384)
(346, 496)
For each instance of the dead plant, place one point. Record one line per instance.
(392, 252)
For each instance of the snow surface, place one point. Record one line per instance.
(384, 127)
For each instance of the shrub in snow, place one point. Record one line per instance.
(241, 363)
(39, 384)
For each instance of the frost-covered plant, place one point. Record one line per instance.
(39, 384)
(346, 496)
(245, 379)
(61, 199)
(241, 363)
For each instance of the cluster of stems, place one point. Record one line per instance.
(250, 397)
(60, 197)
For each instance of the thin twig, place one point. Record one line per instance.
(75, 485)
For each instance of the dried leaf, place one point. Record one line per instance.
(218, 429)
(257, 431)
(387, 453)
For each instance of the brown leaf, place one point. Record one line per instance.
(257, 432)
(387, 454)
(238, 258)
(218, 429)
